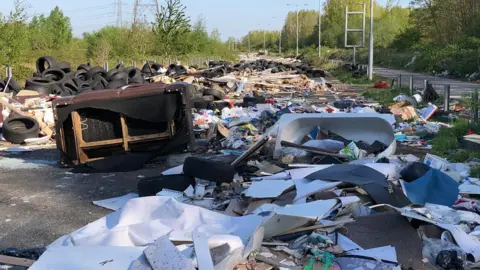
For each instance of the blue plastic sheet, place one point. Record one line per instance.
(433, 187)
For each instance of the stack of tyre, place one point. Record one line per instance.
(208, 98)
(59, 78)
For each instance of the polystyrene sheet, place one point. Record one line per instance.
(141, 221)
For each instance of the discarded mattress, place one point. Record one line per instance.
(373, 127)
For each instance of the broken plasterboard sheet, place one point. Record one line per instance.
(163, 255)
(143, 220)
(294, 216)
(306, 187)
(469, 188)
(265, 209)
(94, 258)
(202, 251)
(115, 203)
(268, 189)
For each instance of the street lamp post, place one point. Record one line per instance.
(320, 29)
(264, 42)
(280, 43)
(298, 26)
(370, 47)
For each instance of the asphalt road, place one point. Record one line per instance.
(457, 88)
(39, 201)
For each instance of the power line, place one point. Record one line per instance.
(119, 13)
(90, 8)
(103, 15)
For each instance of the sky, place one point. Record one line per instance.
(230, 17)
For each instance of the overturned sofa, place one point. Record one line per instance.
(153, 118)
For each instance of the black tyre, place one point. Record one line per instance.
(119, 76)
(135, 76)
(78, 81)
(208, 170)
(58, 91)
(55, 74)
(111, 73)
(98, 82)
(180, 70)
(65, 66)
(116, 84)
(81, 74)
(219, 95)
(18, 128)
(69, 86)
(201, 103)
(151, 186)
(156, 67)
(96, 71)
(146, 69)
(220, 72)
(43, 86)
(46, 62)
(208, 98)
(85, 67)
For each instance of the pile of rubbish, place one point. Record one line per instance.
(314, 191)
(32, 108)
(286, 175)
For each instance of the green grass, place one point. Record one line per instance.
(384, 96)
(446, 142)
(346, 76)
(475, 171)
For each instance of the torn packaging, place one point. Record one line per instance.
(141, 221)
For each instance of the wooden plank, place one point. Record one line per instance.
(126, 137)
(101, 143)
(157, 136)
(14, 261)
(77, 130)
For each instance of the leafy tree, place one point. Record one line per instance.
(14, 37)
(52, 32)
(170, 26)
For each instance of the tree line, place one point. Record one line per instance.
(171, 33)
(445, 34)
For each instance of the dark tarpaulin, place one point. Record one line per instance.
(372, 181)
